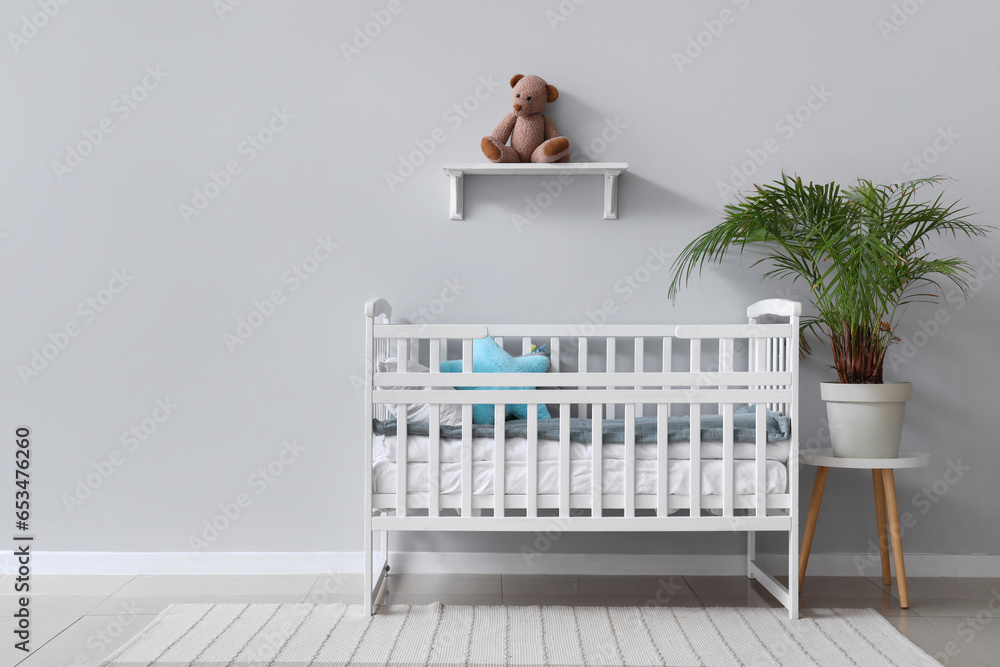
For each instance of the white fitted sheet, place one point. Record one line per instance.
(516, 449)
(613, 477)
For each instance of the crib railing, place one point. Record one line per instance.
(715, 382)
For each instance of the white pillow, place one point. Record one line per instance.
(420, 413)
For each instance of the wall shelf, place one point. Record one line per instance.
(610, 170)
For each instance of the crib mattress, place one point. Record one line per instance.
(613, 476)
(516, 449)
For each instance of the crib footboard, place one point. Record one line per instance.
(644, 428)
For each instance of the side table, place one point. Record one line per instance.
(885, 501)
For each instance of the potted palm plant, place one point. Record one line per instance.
(863, 253)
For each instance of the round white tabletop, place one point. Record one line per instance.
(825, 458)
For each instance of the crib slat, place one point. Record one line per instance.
(782, 366)
(662, 461)
(726, 359)
(695, 425)
(761, 456)
(772, 358)
(668, 351)
(564, 459)
(402, 354)
(629, 460)
(695, 490)
(467, 459)
(467, 355)
(638, 366)
(434, 459)
(435, 355)
(525, 344)
(597, 461)
(532, 472)
(581, 367)
(728, 483)
(401, 458)
(759, 347)
(610, 366)
(554, 355)
(499, 460)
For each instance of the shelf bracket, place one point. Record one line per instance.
(611, 194)
(457, 178)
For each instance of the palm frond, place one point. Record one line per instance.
(862, 251)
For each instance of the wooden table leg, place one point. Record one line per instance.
(807, 539)
(883, 537)
(897, 542)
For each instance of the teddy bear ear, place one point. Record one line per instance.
(553, 93)
(514, 79)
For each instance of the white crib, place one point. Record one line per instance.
(673, 370)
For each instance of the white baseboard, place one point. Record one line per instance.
(91, 562)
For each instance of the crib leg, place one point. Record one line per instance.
(751, 552)
(385, 549)
(373, 582)
(793, 572)
(367, 599)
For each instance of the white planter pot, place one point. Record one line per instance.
(866, 420)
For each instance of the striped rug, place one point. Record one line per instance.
(420, 636)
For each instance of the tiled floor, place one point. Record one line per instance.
(80, 620)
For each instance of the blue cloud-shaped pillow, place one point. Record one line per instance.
(488, 357)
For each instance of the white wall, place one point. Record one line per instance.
(684, 130)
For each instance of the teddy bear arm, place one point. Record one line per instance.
(504, 129)
(550, 128)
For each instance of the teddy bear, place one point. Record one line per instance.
(533, 136)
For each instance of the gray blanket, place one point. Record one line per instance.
(581, 430)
